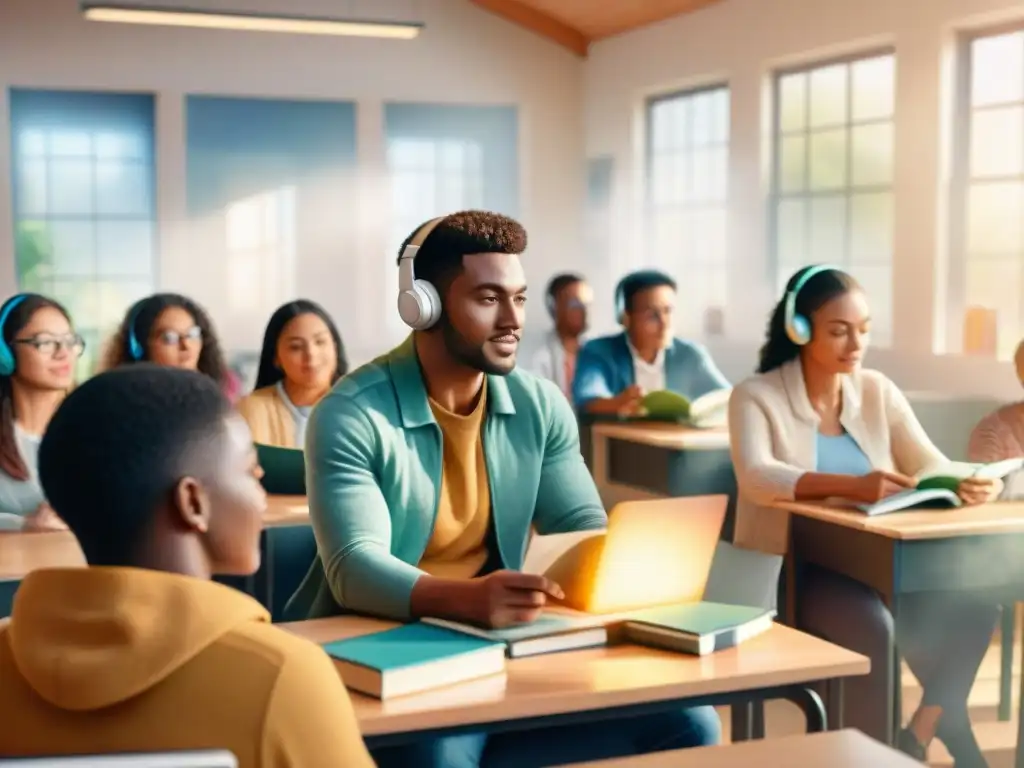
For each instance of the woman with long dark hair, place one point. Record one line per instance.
(173, 330)
(301, 359)
(38, 353)
(814, 425)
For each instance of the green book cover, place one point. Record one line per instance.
(664, 405)
(949, 480)
(409, 645)
(698, 618)
(284, 469)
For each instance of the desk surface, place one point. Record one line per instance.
(673, 436)
(596, 678)
(22, 553)
(836, 749)
(998, 517)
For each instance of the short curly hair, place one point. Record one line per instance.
(465, 233)
(117, 446)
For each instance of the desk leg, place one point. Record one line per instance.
(742, 722)
(813, 708)
(1007, 627)
(834, 704)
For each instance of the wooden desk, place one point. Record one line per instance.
(835, 749)
(912, 552)
(643, 460)
(601, 683)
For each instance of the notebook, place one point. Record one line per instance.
(412, 658)
(548, 634)
(284, 469)
(697, 628)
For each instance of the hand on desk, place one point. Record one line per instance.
(879, 485)
(979, 490)
(505, 598)
(628, 401)
(43, 519)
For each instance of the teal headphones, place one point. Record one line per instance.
(798, 327)
(7, 361)
(135, 349)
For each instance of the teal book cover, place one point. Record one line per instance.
(406, 646)
(284, 469)
(698, 618)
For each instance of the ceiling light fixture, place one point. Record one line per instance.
(249, 22)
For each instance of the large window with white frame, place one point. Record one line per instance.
(833, 174)
(687, 199)
(985, 309)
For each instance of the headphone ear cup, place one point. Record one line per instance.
(7, 362)
(420, 308)
(799, 330)
(431, 303)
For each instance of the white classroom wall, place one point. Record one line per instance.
(742, 42)
(465, 56)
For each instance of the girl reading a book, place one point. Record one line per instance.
(302, 357)
(814, 425)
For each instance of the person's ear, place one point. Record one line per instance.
(192, 504)
(624, 319)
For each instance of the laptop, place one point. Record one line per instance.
(654, 553)
(184, 759)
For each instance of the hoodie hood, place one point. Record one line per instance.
(87, 638)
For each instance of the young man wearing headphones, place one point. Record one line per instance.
(567, 300)
(428, 467)
(613, 373)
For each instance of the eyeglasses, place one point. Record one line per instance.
(49, 346)
(175, 338)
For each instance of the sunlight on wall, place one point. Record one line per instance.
(260, 239)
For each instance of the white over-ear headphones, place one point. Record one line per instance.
(419, 303)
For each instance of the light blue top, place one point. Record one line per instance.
(19, 498)
(605, 367)
(840, 455)
(373, 477)
(299, 413)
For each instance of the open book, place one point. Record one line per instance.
(710, 410)
(940, 489)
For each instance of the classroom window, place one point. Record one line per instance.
(687, 200)
(443, 159)
(84, 203)
(833, 175)
(986, 314)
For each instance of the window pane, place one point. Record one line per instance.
(451, 193)
(31, 142)
(120, 146)
(668, 231)
(74, 249)
(871, 228)
(702, 183)
(115, 296)
(71, 187)
(410, 153)
(122, 189)
(997, 69)
(451, 156)
(31, 189)
(877, 284)
(828, 230)
(662, 126)
(828, 159)
(662, 180)
(793, 106)
(828, 95)
(997, 142)
(793, 164)
(702, 109)
(873, 88)
(720, 128)
(995, 284)
(872, 155)
(125, 248)
(994, 220)
(70, 144)
(790, 233)
(707, 232)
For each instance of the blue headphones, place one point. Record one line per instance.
(135, 349)
(7, 361)
(798, 327)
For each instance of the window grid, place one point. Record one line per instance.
(841, 214)
(83, 210)
(687, 170)
(985, 314)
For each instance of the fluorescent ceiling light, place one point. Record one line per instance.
(250, 22)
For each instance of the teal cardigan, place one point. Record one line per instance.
(373, 474)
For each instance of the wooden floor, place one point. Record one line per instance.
(997, 739)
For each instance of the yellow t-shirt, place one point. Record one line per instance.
(458, 545)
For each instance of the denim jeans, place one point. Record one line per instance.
(674, 729)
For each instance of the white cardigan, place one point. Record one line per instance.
(773, 440)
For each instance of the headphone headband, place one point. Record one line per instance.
(406, 267)
(419, 304)
(798, 327)
(135, 349)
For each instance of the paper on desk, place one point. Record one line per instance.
(544, 551)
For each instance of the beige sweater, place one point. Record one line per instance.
(268, 417)
(773, 434)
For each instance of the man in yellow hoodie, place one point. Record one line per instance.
(141, 652)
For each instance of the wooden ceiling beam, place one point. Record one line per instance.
(538, 22)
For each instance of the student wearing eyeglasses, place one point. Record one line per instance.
(38, 352)
(171, 329)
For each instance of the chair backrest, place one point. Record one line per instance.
(184, 759)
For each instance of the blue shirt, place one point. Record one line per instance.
(605, 367)
(840, 455)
